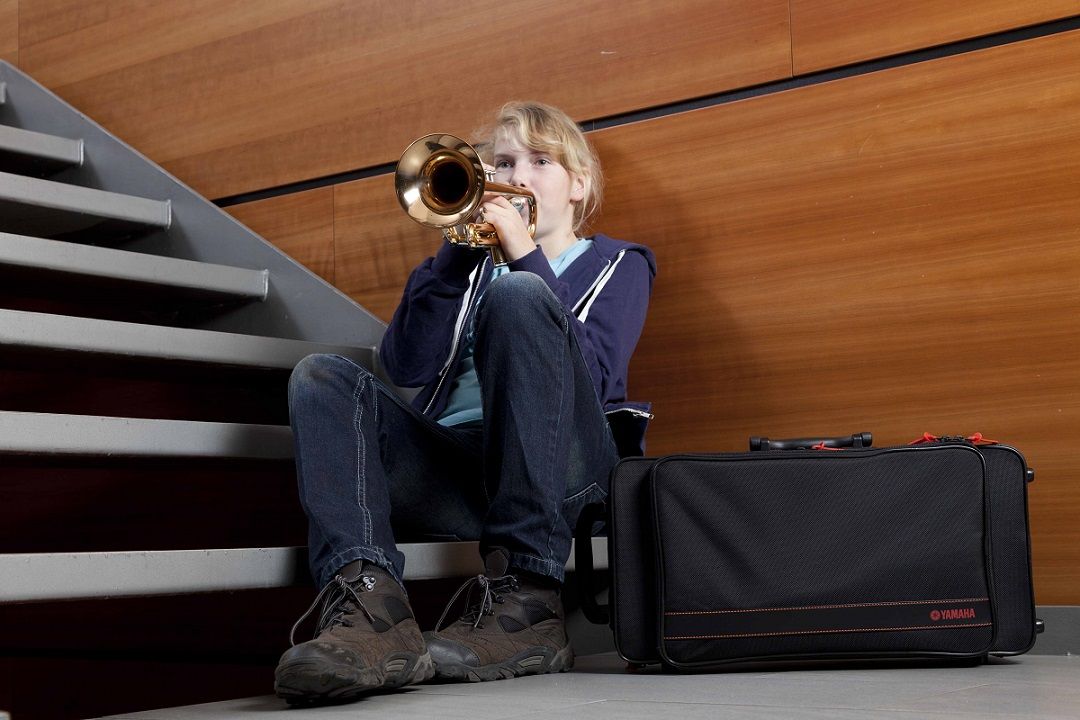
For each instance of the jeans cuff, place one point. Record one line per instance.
(368, 554)
(539, 566)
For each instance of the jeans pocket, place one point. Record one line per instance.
(572, 506)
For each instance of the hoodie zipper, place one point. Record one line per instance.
(632, 411)
(468, 303)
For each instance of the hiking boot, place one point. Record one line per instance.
(366, 639)
(512, 627)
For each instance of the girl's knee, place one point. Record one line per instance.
(318, 372)
(514, 298)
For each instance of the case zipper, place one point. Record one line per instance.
(976, 439)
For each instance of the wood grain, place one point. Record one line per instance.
(301, 224)
(896, 252)
(9, 31)
(377, 244)
(831, 33)
(235, 95)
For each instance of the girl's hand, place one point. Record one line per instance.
(513, 234)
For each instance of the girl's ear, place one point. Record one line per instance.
(577, 187)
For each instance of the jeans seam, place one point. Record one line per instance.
(375, 424)
(579, 493)
(555, 434)
(549, 564)
(361, 458)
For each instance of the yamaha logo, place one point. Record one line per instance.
(953, 614)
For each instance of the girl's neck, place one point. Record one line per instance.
(555, 246)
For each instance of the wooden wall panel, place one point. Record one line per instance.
(896, 252)
(9, 31)
(354, 235)
(377, 244)
(237, 95)
(830, 33)
(300, 224)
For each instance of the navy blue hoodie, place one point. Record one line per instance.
(607, 289)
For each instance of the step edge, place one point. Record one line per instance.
(25, 251)
(49, 147)
(64, 197)
(47, 332)
(54, 434)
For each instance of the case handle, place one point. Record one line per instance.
(858, 440)
(583, 564)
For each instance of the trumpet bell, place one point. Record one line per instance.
(440, 180)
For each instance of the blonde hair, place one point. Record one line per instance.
(548, 129)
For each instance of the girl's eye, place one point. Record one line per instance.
(502, 165)
(543, 161)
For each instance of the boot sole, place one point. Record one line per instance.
(311, 683)
(534, 661)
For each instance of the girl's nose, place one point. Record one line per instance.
(519, 178)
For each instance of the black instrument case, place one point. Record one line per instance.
(817, 549)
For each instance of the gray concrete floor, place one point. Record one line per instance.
(1038, 687)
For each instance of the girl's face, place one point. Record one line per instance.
(556, 189)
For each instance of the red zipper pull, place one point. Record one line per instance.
(976, 439)
(823, 446)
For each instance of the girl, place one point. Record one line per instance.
(521, 366)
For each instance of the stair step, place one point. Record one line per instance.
(33, 206)
(43, 332)
(23, 433)
(49, 148)
(120, 266)
(56, 576)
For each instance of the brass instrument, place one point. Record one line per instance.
(440, 183)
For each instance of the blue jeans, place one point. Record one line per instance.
(372, 469)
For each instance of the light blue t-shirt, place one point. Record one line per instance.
(464, 404)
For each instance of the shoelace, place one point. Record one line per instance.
(335, 606)
(491, 590)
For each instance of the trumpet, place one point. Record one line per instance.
(440, 182)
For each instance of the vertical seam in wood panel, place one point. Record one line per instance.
(791, 39)
(333, 235)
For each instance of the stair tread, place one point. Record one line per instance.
(51, 576)
(124, 266)
(25, 433)
(52, 195)
(47, 333)
(41, 145)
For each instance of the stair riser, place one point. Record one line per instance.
(259, 398)
(147, 505)
(77, 297)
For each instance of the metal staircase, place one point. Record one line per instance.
(109, 267)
